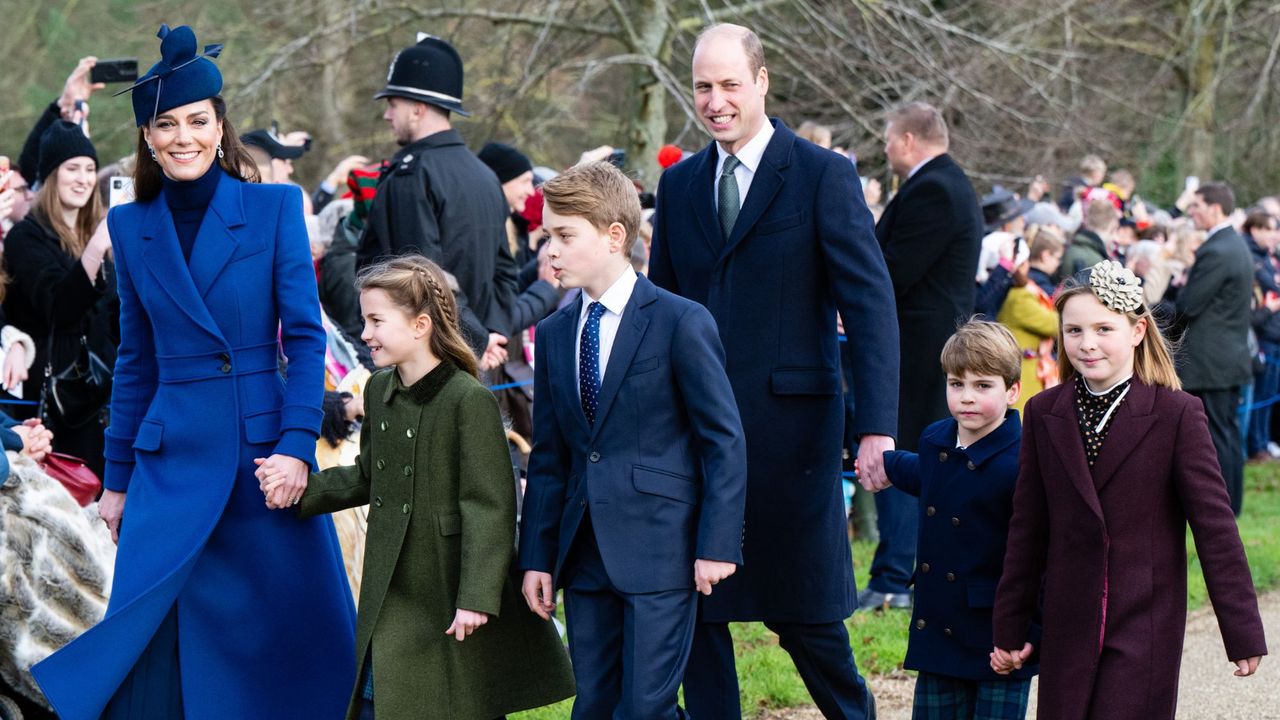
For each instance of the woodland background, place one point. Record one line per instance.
(1166, 88)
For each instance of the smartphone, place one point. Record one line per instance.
(1192, 183)
(120, 191)
(618, 158)
(114, 71)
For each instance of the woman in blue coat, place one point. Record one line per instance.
(221, 606)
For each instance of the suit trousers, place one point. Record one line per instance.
(821, 654)
(629, 650)
(153, 689)
(1222, 407)
(897, 517)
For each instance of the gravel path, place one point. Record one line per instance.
(1207, 691)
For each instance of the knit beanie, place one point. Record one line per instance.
(505, 161)
(60, 142)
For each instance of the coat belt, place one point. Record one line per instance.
(230, 362)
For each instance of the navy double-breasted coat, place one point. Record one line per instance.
(803, 246)
(265, 619)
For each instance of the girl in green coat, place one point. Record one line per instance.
(442, 631)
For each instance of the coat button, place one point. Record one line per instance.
(410, 433)
(226, 367)
(377, 502)
(942, 456)
(951, 577)
(583, 502)
(955, 522)
(594, 457)
(924, 567)
(930, 511)
(382, 464)
(946, 631)
(224, 357)
(408, 470)
(405, 508)
(920, 624)
(971, 466)
(383, 425)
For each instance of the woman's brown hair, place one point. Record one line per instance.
(1152, 358)
(48, 212)
(419, 287)
(148, 176)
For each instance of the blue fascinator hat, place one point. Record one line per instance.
(182, 76)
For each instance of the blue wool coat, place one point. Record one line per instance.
(966, 500)
(265, 620)
(803, 246)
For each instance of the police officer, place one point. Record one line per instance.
(436, 198)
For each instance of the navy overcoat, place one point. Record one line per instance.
(802, 248)
(265, 619)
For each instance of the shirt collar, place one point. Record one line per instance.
(614, 299)
(751, 153)
(919, 165)
(1220, 226)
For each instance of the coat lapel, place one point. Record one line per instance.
(1063, 425)
(765, 185)
(563, 358)
(163, 257)
(635, 319)
(1132, 422)
(701, 186)
(215, 243)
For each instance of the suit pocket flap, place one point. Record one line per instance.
(149, 433)
(643, 366)
(668, 485)
(263, 427)
(449, 524)
(981, 595)
(804, 381)
(784, 223)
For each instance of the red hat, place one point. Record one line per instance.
(669, 155)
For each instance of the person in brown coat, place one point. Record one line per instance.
(1115, 462)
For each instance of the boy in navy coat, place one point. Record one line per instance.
(965, 475)
(637, 479)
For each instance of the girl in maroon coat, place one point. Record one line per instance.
(1114, 463)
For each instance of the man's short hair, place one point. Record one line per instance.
(1100, 214)
(599, 193)
(1218, 193)
(1092, 165)
(751, 45)
(982, 347)
(921, 120)
(1257, 218)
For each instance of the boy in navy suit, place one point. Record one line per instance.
(637, 479)
(965, 475)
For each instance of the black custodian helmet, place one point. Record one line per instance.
(428, 72)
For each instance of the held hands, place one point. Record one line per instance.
(466, 622)
(1006, 661)
(709, 572)
(871, 450)
(283, 479)
(37, 440)
(111, 510)
(539, 594)
(1248, 666)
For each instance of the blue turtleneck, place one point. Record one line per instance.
(187, 202)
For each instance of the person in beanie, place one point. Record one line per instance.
(220, 606)
(438, 199)
(62, 287)
(515, 172)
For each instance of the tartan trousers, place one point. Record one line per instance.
(939, 697)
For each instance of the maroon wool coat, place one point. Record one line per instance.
(1110, 545)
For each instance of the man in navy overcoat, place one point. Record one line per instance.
(774, 246)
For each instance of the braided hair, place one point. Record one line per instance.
(419, 287)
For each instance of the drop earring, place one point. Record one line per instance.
(220, 153)
(152, 151)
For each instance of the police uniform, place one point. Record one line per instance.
(437, 198)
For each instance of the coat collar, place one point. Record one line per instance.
(426, 388)
(943, 435)
(935, 163)
(439, 139)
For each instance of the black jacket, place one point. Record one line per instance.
(931, 233)
(1215, 303)
(437, 198)
(337, 282)
(1266, 275)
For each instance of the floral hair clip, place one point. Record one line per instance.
(1116, 286)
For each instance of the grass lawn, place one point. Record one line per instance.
(768, 680)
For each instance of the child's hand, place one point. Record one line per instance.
(539, 594)
(283, 479)
(709, 572)
(466, 622)
(1006, 661)
(1247, 667)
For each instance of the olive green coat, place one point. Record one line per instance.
(436, 473)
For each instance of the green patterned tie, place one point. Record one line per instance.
(727, 197)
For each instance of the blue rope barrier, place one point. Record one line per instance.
(18, 402)
(508, 386)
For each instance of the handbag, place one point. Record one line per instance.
(75, 476)
(73, 397)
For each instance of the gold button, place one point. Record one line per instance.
(384, 425)
(920, 624)
(409, 433)
(942, 456)
(930, 511)
(382, 464)
(408, 470)
(924, 567)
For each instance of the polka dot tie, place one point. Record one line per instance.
(589, 362)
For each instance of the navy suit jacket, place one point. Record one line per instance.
(663, 468)
(803, 247)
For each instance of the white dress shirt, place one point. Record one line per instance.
(749, 161)
(1220, 226)
(615, 300)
